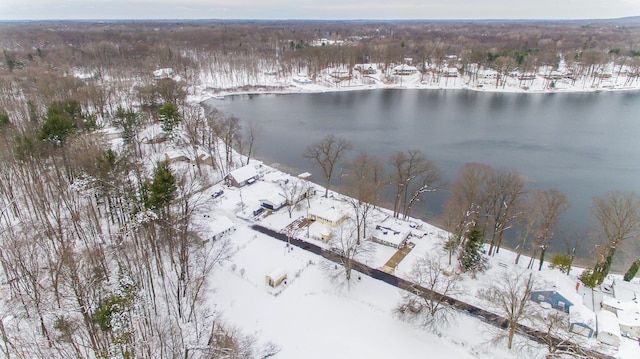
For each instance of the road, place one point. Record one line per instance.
(485, 316)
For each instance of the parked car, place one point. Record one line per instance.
(217, 194)
(258, 211)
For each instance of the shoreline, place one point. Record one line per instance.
(208, 93)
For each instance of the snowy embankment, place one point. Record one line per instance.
(545, 81)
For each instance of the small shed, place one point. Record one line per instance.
(276, 277)
(608, 328)
(555, 299)
(242, 176)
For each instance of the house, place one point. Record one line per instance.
(276, 277)
(629, 319)
(328, 215)
(582, 320)
(301, 79)
(404, 70)
(450, 72)
(367, 69)
(487, 74)
(608, 329)
(162, 74)
(219, 227)
(391, 235)
(273, 201)
(242, 176)
(555, 299)
(625, 291)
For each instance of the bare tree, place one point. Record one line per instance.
(348, 251)
(413, 175)
(430, 305)
(365, 183)
(504, 190)
(327, 153)
(618, 216)
(551, 203)
(465, 204)
(294, 191)
(510, 295)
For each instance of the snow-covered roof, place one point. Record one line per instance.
(581, 314)
(625, 291)
(405, 67)
(392, 231)
(163, 73)
(243, 174)
(220, 224)
(274, 198)
(277, 273)
(630, 314)
(327, 211)
(608, 323)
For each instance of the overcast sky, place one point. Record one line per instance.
(317, 9)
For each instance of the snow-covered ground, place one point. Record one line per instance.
(310, 316)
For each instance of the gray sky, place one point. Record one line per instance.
(317, 9)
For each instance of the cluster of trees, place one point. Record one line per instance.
(99, 250)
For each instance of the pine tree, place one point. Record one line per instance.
(471, 258)
(633, 270)
(170, 117)
(162, 188)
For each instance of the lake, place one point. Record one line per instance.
(583, 144)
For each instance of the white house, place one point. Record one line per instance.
(487, 74)
(608, 328)
(366, 69)
(242, 176)
(404, 69)
(161, 74)
(273, 201)
(327, 214)
(219, 227)
(392, 234)
(625, 291)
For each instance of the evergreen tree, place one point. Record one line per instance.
(471, 258)
(61, 121)
(4, 118)
(169, 117)
(162, 189)
(633, 270)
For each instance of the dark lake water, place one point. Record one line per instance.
(583, 144)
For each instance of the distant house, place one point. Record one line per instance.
(242, 176)
(367, 69)
(582, 320)
(276, 277)
(450, 72)
(303, 80)
(219, 227)
(487, 74)
(555, 299)
(162, 74)
(608, 329)
(404, 70)
(330, 216)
